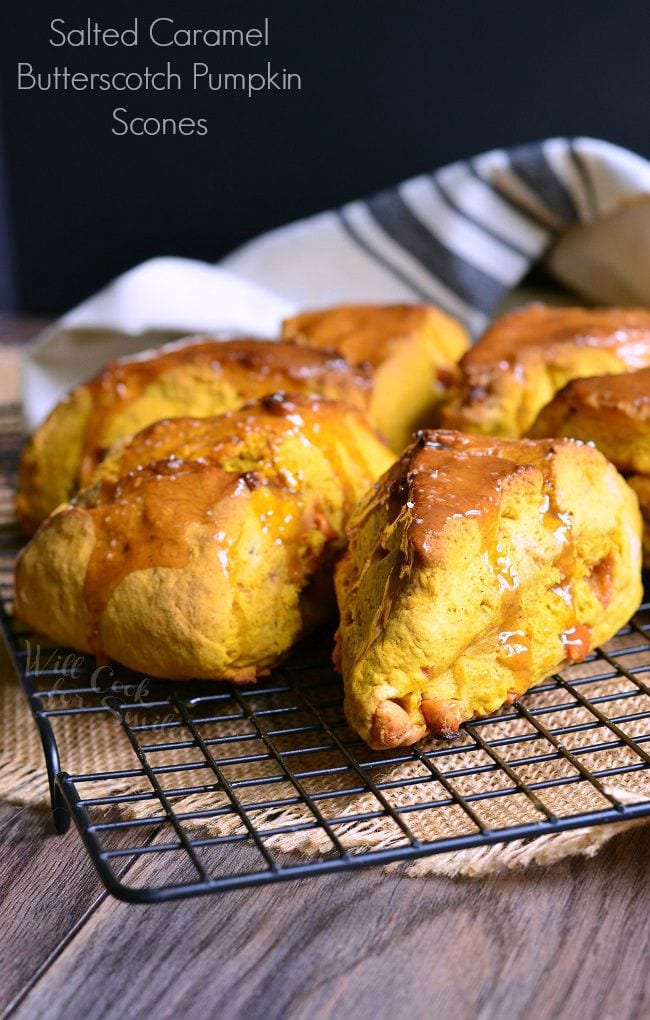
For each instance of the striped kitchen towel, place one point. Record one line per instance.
(461, 237)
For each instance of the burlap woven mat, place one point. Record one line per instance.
(95, 744)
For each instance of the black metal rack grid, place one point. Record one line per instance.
(221, 787)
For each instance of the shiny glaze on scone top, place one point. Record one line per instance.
(360, 332)
(628, 392)
(526, 356)
(513, 337)
(176, 473)
(446, 475)
(612, 411)
(256, 367)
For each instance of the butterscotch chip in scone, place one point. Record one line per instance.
(204, 547)
(199, 376)
(475, 568)
(413, 349)
(525, 357)
(613, 411)
(641, 485)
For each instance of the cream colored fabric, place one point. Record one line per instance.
(607, 262)
(462, 237)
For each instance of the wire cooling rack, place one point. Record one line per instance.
(202, 787)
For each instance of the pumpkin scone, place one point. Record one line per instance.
(613, 411)
(199, 376)
(204, 547)
(413, 349)
(641, 485)
(525, 357)
(475, 568)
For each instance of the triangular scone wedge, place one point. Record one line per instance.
(475, 568)
(526, 356)
(413, 349)
(204, 547)
(196, 377)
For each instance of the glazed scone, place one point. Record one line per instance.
(413, 349)
(199, 376)
(525, 357)
(641, 485)
(475, 568)
(613, 411)
(204, 547)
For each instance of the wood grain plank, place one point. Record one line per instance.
(38, 901)
(48, 887)
(571, 940)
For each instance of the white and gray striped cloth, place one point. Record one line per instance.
(461, 237)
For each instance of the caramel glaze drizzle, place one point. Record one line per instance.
(447, 474)
(141, 521)
(177, 472)
(360, 332)
(544, 332)
(629, 391)
(624, 330)
(253, 367)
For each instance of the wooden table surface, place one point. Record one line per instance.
(567, 941)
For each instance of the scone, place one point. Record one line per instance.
(204, 547)
(525, 357)
(613, 411)
(414, 350)
(475, 568)
(641, 485)
(197, 377)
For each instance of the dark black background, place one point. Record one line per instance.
(389, 90)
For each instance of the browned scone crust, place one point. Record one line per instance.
(413, 349)
(204, 547)
(525, 357)
(612, 411)
(199, 376)
(475, 568)
(641, 485)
